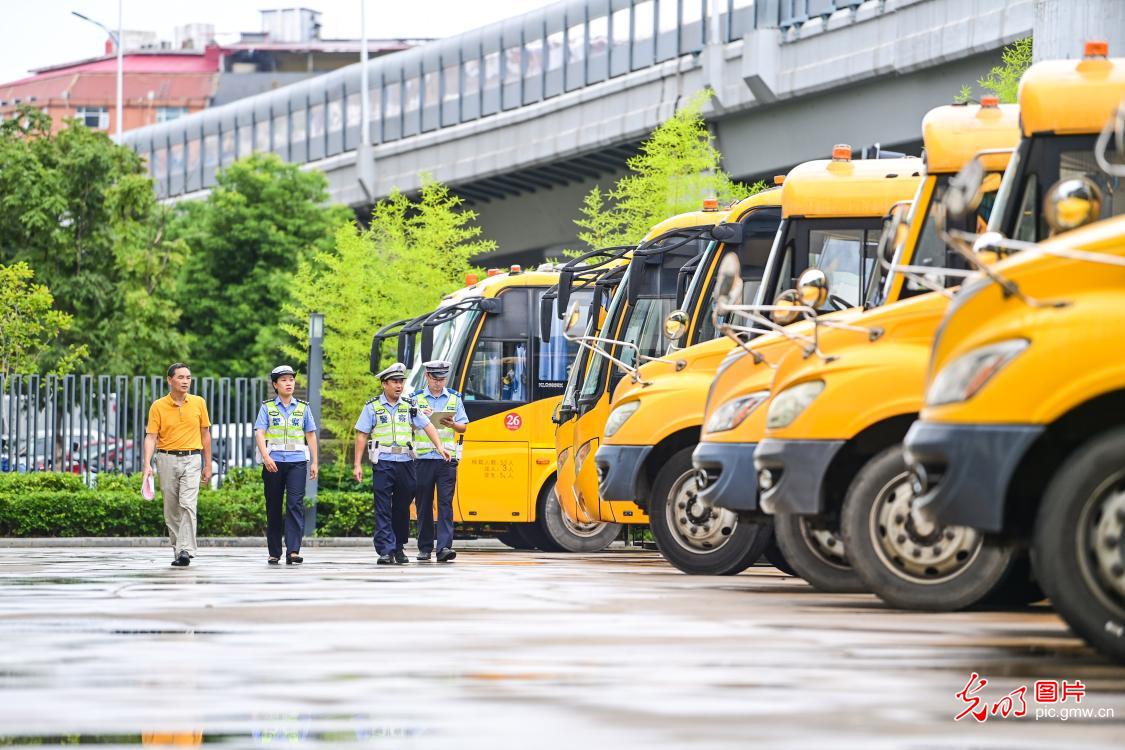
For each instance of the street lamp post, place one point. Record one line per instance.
(316, 377)
(120, 63)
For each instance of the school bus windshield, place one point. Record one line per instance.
(1040, 162)
(449, 339)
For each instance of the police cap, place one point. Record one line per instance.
(439, 368)
(397, 371)
(280, 370)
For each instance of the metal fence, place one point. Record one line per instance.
(89, 424)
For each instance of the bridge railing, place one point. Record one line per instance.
(518, 62)
(90, 424)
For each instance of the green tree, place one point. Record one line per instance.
(248, 239)
(29, 325)
(414, 253)
(80, 211)
(1003, 80)
(677, 167)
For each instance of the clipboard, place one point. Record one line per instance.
(437, 416)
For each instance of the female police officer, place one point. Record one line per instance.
(390, 421)
(283, 427)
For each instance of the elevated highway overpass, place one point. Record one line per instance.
(522, 117)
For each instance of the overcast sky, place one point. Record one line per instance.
(37, 33)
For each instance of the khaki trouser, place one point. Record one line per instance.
(179, 484)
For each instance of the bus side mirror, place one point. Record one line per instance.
(729, 234)
(964, 192)
(728, 281)
(1071, 204)
(427, 344)
(566, 283)
(572, 322)
(812, 287)
(491, 305)
(546, 303)
(376, 354)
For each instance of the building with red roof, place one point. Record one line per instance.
(161, 83)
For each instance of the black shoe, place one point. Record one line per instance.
(182, 561)
(400, 557)
(423, 557)
(294, 559)
(385, 560)
(273, 560)
(446, 555)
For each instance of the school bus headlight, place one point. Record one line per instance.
(734, 412)
(962, 378)
(583, 453)
(618, 416)
(564, 455)
(788, 405)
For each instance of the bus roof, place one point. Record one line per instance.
(545, 275)
(954, 133)
(838, 188)
(1071, 96)
(769, 197)
(686, 221)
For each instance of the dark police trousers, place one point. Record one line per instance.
(393, 484)
(289, 479)
(442, 476)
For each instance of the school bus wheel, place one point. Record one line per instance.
(907, 560)
(694, 536)
(814, 548)
(1079, 544)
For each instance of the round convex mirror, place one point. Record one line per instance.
(675, 325)
(789, 302)
(1071, 204)
(812, 287)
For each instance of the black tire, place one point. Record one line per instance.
(775, 557)
(722, 544)
(514, 538)
(814, 549)
(1018, 589)
(1076, 552)
(911, 564)
(565, 534)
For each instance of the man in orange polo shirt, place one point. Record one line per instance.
(179, 431)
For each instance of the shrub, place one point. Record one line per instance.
(57, 504)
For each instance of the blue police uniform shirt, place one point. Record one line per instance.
(437, 403)
(263, 423)
(366, 423)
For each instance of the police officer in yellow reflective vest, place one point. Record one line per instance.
(433, 474)
(390, 421)
(283, 427)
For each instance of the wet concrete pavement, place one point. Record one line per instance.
(508, 649)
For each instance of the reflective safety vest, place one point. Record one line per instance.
(446, 434)
(285, 433)
(393, 426)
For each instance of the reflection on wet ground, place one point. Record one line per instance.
(112, 647)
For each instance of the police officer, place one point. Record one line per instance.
(433, 473)
(389, 421)
(283, 427)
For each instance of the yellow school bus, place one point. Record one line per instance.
(831, 217)
(1025, 418)
(830, 456)
(600, 271)
(660, 277)
(510, 383)
(1021, 435)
